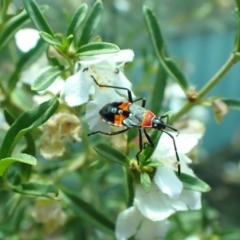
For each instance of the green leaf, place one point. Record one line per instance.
(37, 17)
(46, 79)
(24, 62)
(96, 48)
(36, 189)
(49, 39)
(77, 19)
(86, 212)
(158, 44)
(111, 154)
(11, 27)
(158, 90)
(153, 163)
(145, 182)
(193, 183)
(232, 103)
(27, 121)
(236, 14)
(91, 23)
(22, 158)
(30, 148)
(148, 151)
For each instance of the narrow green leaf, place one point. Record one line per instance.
(236, 14)
(24, 62)
(27, 121)
(111, 154)
(129, 186)
(232, 103)
(30, 148)
(91, 23)
(8, 117)
(11, 27)
(153, 163)
(36, 189)
(77, 19)
(37, 17)
(158, 90)
(145, 182)
(96, 48)
(86, 212)
(193, 183)
(22, 158)
(49, 39)
(238, 4)
(158, 44)
(148, 151)
(46, 79)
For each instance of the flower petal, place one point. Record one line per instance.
(125, 55)
(150, 230)
(127, 223)
(27, 39)
(153, 205)
(187, 200)
(77, 88)
(168, 182)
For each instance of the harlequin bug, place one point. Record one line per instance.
(129, 115)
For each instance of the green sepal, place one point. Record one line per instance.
(145, 181)
(77, 19)
(50, 39)
(36, 189)
(159, 47)
(232, 103)
(111, 154)
(24, 62)
(97, 48)
(27, 121)
(91, 23)
(37, 17)
(21, 158)
(45, 79)
(86, 212)
(193, 183)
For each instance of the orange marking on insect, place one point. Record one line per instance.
(147, 120)
(124, 106)
(118, 118)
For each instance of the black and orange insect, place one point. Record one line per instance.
(129, 115)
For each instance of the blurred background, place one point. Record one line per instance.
(200, 37)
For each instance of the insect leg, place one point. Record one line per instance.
(108, 133)
(130, 99)
(150, 142)
(143, 101)
(140, 144)
(175, 148)
(170, 127)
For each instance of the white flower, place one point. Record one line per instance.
(106, 69)
(131, 222)
(167, 194)
(26, 39)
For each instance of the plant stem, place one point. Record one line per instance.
(215, 79)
